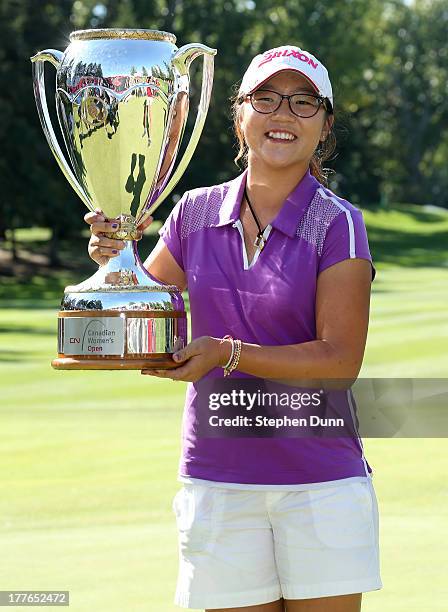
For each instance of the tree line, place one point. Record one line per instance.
(388, 62)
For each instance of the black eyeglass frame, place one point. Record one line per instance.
(325, 102)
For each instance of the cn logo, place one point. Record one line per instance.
(75, 340)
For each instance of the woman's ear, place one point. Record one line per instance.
(240, 121)
(329, 121)
(240, 114)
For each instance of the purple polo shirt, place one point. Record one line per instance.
(270, 302)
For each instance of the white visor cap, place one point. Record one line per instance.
(269, 63)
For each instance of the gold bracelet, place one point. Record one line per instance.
(232, 352)
(236, 358)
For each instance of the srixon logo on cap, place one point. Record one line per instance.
(270, 55)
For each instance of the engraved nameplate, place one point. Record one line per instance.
(91, 335)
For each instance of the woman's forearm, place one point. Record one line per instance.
(317, 359)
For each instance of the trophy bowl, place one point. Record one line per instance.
(122, 101)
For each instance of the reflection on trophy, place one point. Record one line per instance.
(122, 99)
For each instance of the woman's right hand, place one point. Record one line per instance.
(101, 248)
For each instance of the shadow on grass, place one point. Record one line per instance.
(419, 214)
(28, 329)
(10, 358)
(32, 283)
(14, 357)
(39, 291)
(409, 249)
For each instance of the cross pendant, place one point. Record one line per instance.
(259, 242)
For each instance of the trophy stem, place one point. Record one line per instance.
(127, 258)
(126, 269)
(123, 272)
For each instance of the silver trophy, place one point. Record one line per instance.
(122, 99)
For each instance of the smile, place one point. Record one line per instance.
(284, 136)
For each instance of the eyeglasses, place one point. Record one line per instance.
(301, 104)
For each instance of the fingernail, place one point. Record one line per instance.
(114, 251)
(114, 225)
(176, 356)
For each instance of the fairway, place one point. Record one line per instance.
(89, 461)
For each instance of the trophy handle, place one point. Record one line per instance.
(182, 60)
(38, 66)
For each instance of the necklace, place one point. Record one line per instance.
(260, 241)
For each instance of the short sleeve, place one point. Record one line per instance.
(170, 232)
(346, 238)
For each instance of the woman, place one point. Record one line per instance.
(278, 271)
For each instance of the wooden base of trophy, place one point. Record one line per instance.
(161, 360)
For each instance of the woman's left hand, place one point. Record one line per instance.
(195, 360)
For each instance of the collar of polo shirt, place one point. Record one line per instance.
(289, 215)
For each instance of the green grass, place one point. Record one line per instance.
(37, 285)
(408, 332)
(89, 460)
(89, 471)
(89, 466)
(408, 236)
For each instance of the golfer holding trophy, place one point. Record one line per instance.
(278, 271)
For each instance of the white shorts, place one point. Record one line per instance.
(241, 548)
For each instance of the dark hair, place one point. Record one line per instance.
(322, 153)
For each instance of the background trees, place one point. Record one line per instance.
(389, 66)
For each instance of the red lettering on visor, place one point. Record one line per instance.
(268, 57)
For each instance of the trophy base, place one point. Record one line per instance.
(121, 318)
(119, 340)
(163, 361)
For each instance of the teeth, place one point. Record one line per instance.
(282, 135)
